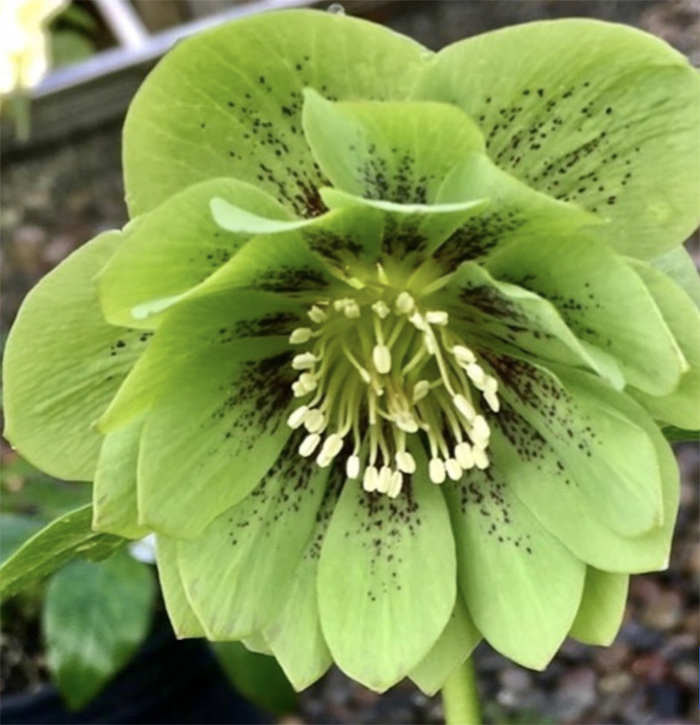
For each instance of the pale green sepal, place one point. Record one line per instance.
(521, 585)
(256, 642)
(216, 428)
(295, 636)
(602, 300)
(114, 492)
(681, 407)
(182, 617)
(62, 365)
(396, 151)
(598, 130)
(174, 249)
(521, 319)
(264, 537)
(238, 87)
(602, 607)
(610, 451)
(384, 609)
(679, 265)
(456, 643)
(233, 218)
(224, 324)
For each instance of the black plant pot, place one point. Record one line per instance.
(167, 682)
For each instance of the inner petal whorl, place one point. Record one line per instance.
(373, 373)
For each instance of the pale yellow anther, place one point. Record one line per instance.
(437, 317)
(420, 390)
(309, 381)
(463, 355)
(309, 444)
(381, 309)
(300, 335)
(317, 315)
(476, 373)
(352, 309)
(315, 421)
(329, 450)
(429, 342)
(405, 462)
(464, 407)
(464, 455)
(384, 479)
(406, 421)
(453, 469)
(405, 304)
(481, 460)
(395, 484)
(297, 417)
(416, 319)
(492, 400)
(304, 361)
(352, 467)
(370, 479)
(480, 432)
(436, 470)
(381, 357)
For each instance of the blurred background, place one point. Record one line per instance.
(63, 185)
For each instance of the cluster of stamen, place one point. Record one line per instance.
(374, 373)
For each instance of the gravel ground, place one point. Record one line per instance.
(54, 199)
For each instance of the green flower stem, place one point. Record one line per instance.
(460, 698)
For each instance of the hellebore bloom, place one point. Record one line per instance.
(383, 356)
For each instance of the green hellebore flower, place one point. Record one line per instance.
(383, 355)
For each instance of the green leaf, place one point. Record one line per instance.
(521, 585)
(175, 248)
(95, 617)
(679, 407)
(182, 617)
(382, 609)
(15, 529)
(114, 497)
(602, 300)
(394, 151)
(588, 112)
(63, 363)
(238, 571)
(257, 677)
(239, 86)
(602, 607)
(52, 547)
(456, 643)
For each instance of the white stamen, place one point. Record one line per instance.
(352, 467)
(304, 361)
(317, 315)
(384, 480)
(315, 421)
(464, 407)
(464, 456)
(406, 421)
(492, 400)
(381, 357)
(330, 449)
(480, 432)
(476, 373)
(481, 460)
(395, 484)
(300, 335)
(297, 417)
(405, 462)
(309, 445)
(370, 479)
(420, 390)
(309, 381)
(429, 342)
(405, 304)
(463, 355)
(454, 470)
(437, 317)
(381, 309)
(352, 309)
(416, 319)
(436, 470)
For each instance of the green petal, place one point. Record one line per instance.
(680, 407)
(182, 617)
(680, 267)
(587, 112)
(602, 300)
(238, 86)
(174, 249)
(395, 151)
(521, 585)
(114, 495)
(63, 363)
(611, 453)
(295, 637)
(224, 325)
(567, 500)
(238, 571)
(382, 608)
(602, 607)
(522, 320)
(215, 430)
(456, 643)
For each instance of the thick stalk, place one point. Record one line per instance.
(460, 699)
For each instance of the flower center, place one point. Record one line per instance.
(377, 372)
